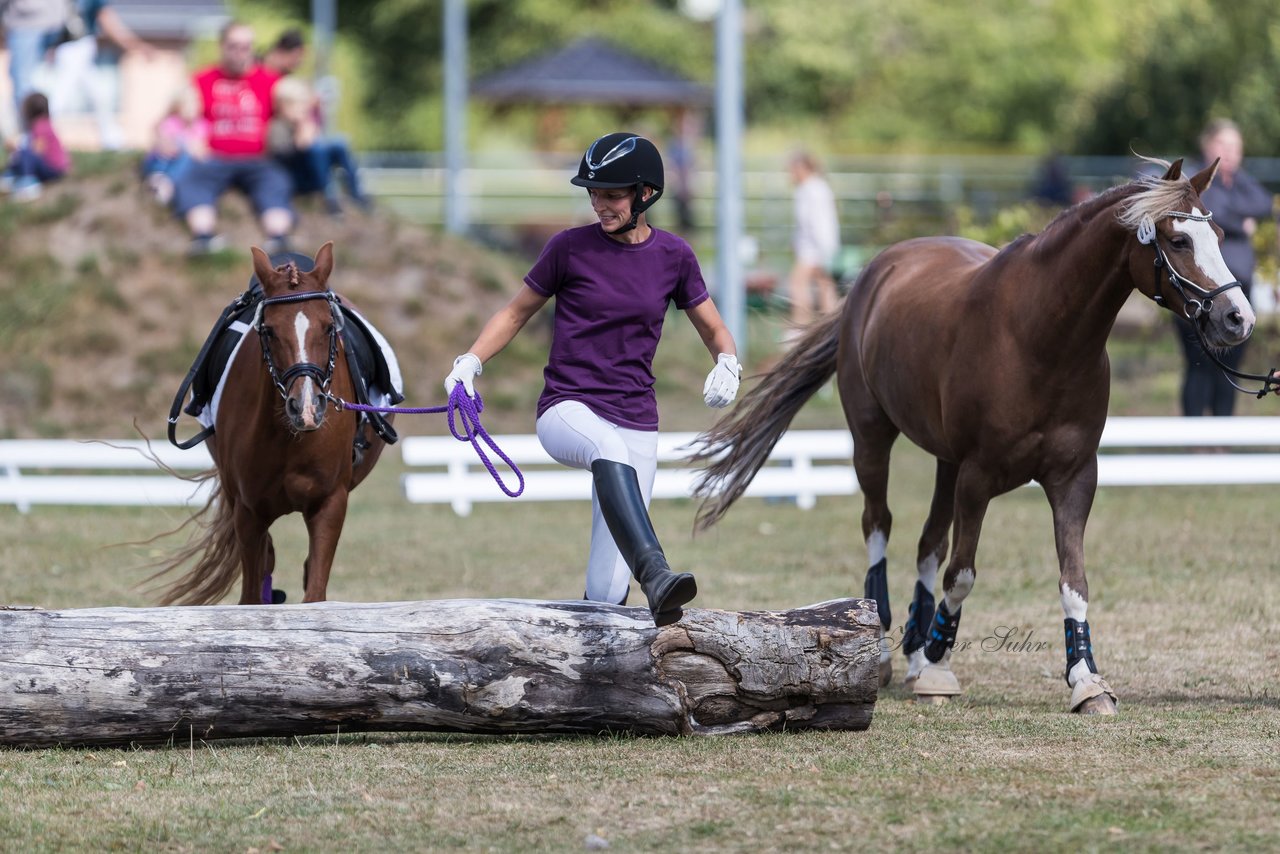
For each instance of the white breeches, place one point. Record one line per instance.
(576, 437)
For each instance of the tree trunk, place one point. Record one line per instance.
(126, 675)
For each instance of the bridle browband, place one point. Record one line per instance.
(322, 376)
(1195, 306)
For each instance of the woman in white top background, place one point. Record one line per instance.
(815, 242)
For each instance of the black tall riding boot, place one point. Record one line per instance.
(623, 507)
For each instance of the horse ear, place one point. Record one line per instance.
(1204, 177)
(323, 266)
(1175, 170)
(262, 267)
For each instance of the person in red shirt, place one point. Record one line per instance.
(236, 102)
(37, 157)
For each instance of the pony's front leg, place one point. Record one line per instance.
(257, 555)
(1071, 499)
(936, 682)
(324, 527)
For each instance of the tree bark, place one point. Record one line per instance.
(146, 675)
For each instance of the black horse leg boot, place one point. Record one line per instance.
(623, 507)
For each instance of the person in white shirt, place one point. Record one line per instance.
(815, 242)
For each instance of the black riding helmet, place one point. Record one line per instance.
(623, 160)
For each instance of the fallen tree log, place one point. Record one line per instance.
(147, 675)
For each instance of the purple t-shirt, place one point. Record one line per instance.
(611, 299)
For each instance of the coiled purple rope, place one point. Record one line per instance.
(461, 409)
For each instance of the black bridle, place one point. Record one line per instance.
(322, 376)
(1193, 307)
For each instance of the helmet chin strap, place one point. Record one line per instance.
(638, 206)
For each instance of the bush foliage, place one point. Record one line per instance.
(1083, 76)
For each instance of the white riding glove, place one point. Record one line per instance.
(721, 386)
(465, 370)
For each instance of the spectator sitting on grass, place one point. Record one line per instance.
(235, 97)
(37, 157)
(181, 137)
(295, 139)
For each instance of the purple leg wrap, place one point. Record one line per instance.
(266, 590)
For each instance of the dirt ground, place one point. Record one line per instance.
(101, 313)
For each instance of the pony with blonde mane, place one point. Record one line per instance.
(995, 362)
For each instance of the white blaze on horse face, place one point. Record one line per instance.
(1074, 606)
(301, 324)
(1208, 257)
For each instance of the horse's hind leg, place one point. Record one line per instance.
(324, 527)
(1071, 500)
(930, 554)
(871, 463)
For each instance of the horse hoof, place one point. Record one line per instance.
(886, 673)
(932, 699)
(935, 681)
(1093, 696)
(278, 596)
(1099, 705)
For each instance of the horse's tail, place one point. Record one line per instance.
(214, 549)
(738, 445)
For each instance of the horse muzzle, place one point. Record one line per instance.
(1229, 322)
(306, 407)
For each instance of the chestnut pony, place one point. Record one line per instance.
(278, 447)
(995, 363)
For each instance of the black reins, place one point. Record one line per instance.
(1194, 307)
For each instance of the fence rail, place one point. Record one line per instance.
(805, 465)
(91, 473)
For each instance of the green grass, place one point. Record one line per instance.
(1184, 609)
(1186, 621)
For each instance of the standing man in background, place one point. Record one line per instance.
(30, 26)
(82, 67)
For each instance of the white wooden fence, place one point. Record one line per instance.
(1245, 436)
(53, 471)
(805, 464)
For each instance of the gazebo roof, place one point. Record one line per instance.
(591, 71)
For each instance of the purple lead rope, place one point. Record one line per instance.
(461, 410)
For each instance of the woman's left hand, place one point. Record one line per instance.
(721, 386)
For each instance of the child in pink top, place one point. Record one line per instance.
(37, 156)
(182, 136)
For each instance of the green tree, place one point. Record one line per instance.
(1195, 61)
(1084, 76)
